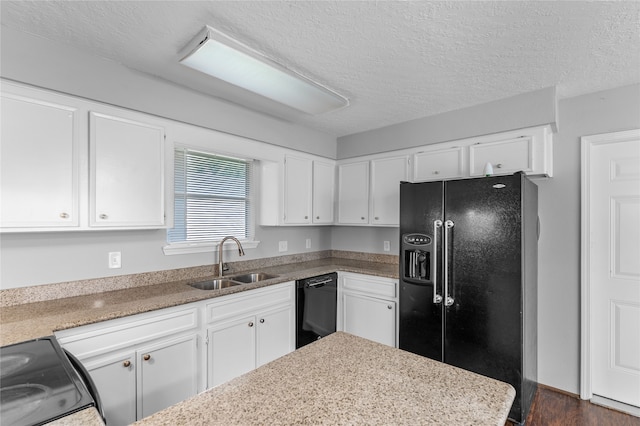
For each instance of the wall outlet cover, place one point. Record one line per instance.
(282, 246)
(115, 260)
(387, 246)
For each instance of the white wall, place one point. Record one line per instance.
(559, 210)
(32, 259)
(41, 62)
(517, 112)
(559, 246)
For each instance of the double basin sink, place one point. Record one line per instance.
(224, 282)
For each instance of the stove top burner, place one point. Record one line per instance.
(38, 384)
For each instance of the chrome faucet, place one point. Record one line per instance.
(240, 253)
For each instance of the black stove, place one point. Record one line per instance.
(39, 384)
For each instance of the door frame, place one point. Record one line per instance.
(586, 143)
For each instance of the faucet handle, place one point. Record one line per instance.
(225, 267)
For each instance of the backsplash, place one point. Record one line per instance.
(40, 293)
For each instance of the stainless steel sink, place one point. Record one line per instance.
(253, 278)
(214, 284)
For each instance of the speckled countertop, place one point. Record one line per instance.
(344, 379)
(27, 321)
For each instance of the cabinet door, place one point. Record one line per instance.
(168, 374)
(437, 165)
(386, 175)
(353, 193)
(323, 192)
(39, 163)
(373, 319)
(275, 335)
(115, 379)
(232, 350)
(297, 190)
(506, 156)
(127, 173)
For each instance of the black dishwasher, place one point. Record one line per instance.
(316, 300)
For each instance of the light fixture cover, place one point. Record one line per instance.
(213, 52)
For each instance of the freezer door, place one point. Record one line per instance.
(420, 319)
(483, 331)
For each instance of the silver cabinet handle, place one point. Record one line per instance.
(64, 215)
(436, 297)
(436, 172)
(250, 324)
(306, 217)
(103, 216)
(389, 307)
(448, 301)
(261, 320)
(362, 218)
(317, 217)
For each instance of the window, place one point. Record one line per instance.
(212, 198)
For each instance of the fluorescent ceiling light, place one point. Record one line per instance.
(217, 54)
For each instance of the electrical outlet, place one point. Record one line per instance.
(387, 246)
(308, 243)
(115, 260)
(282, 246)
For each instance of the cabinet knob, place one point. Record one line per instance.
(436, 172)
(126, 364)
(103, 216)
(389, 307)
(376, 218)
(317, 217)
(64, 215)
(499, 166)
(251, 324)
(306, 217)
(146, 357)
(362, 218)
(261, 320)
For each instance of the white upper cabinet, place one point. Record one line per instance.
(386, 175)
(70, 164)
(298, 190)
(369, 191)
(438, 164)
(127, 172)
(525, 153)
(353, 193)
(39, 162)
(526, 150)
(324, 182)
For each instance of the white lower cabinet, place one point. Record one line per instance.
(141, 364)
(249, 329)
(115, 378)
(367, 307)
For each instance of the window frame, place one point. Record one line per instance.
(187, 247)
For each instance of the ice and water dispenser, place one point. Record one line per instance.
(416, 257)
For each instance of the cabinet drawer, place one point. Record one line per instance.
(249, 301)
(107, 336)
(373, 286)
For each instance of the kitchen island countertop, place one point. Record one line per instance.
(344, 379)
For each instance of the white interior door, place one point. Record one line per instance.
(613, 264)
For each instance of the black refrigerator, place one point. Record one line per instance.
(468, 277)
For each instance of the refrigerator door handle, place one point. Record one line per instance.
(448, 300)
(436, 297)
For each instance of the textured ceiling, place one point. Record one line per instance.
(395, 61)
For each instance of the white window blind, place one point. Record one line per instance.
(212, 197)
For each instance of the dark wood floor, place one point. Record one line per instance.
(553, 408)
